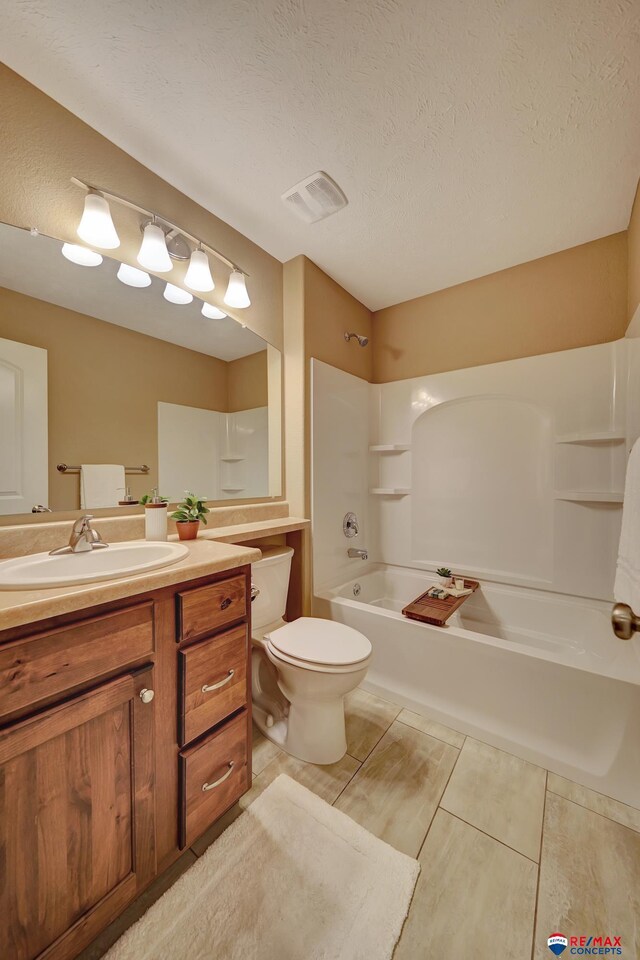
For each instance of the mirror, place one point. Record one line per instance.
(96, 372)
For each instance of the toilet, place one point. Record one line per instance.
(302, 670)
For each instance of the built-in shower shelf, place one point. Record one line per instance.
(603, 436)
(389, 447)
(593, 496)
(390, 491)
(232, 458)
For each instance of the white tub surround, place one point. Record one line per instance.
(535, 673)
(511, 474)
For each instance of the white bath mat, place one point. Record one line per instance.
(291, 879)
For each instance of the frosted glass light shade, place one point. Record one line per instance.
(176, 294)
(236, 295)
(211, 312)
(198, 276)
(96, 226)
(81, 255)
(153, 253)
(132, 276)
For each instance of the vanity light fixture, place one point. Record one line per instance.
(163, 242)
(198, 276)
(153, 253)
(236, 295)
(96, 226)
(211, 312)
(81, 255)
(176, 294)
(132, 276)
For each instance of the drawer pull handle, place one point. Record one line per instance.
(207, 688)
(216, 783)
(226, 603)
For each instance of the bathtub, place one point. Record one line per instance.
(538, 674)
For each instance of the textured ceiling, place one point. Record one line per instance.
(468, 135)
(34, 266)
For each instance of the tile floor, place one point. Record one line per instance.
(509, 852)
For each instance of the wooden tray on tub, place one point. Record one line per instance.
(437, 612)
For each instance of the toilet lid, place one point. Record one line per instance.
(313, 640)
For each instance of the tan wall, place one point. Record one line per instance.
(570, 299)
(43, 146)
(329, 311)
(247, 382)
(104, 385)
(633, 298)
(317, 311)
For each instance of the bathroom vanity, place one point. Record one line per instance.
(126, 732)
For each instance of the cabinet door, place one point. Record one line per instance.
(77, 812)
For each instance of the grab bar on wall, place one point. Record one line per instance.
(65, 468)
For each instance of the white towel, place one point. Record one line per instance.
(627, 585)
(101, 485)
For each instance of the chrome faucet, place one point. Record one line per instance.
(83, 537)
(354, 553)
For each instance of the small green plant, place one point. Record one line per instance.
(443, 572)
(148, 497)
(190, 509)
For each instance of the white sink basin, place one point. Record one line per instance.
(68, 569)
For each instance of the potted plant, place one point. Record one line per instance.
(190, 512)
(444, 576)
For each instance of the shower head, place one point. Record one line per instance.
(363, 341)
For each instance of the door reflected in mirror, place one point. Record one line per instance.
(96, 372)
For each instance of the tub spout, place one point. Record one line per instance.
(354, 553)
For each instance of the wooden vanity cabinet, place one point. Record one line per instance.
(76, 818)
(104, 754)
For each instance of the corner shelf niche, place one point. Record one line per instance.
(586, 496)
(604, 436)
(390, 491)
(389, 447)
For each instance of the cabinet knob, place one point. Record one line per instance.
(146, 695)
(225, 603)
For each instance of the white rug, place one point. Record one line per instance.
(290, 879)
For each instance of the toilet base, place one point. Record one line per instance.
(314, 733)
(300, 709)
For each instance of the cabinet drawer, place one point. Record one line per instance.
(213, 775)
(44, 665)
(205, 609)
(213, 682)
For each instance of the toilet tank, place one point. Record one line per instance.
(271, 576)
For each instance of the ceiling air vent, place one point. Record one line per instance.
(315, 197)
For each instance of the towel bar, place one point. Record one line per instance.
(624, 621)
(65, 468)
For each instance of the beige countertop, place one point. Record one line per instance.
(206, 556)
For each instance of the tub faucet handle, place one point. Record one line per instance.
(350, 526)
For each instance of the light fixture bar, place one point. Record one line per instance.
(91, 188)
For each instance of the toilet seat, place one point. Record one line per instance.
(320, 645)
